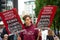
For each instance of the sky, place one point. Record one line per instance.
(21, 6)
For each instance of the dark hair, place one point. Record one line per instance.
(24, 17)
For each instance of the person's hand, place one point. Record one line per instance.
(39, 34)
(18, 38)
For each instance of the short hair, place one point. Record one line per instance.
(24, 17)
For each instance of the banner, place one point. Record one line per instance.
(46, 16)
(11, 21)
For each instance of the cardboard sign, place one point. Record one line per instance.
(11, 21)
(46, 16)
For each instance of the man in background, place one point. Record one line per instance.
(4, 34)
(1, 29)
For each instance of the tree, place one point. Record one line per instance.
(39, 5)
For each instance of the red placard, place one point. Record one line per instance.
(11, 21)
(46, 16)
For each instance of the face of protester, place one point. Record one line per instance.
(2, 26)
(28, 21)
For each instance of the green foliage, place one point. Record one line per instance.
(39, 5)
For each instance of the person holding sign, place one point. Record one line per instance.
(30, 32)
(5, 36)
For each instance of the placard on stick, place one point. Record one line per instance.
(11, 21)
(46, 16)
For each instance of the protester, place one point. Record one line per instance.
(29, 32)
(50, 35)
(1, 29)
(5, 36)
(55, 37)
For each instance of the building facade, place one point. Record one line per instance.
(7, 5)
(29, 8)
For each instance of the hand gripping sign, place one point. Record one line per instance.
(46, 16)
(11, 21)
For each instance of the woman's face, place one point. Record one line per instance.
(27, 21)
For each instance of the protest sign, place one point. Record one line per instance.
(11, 21)
(46, 16)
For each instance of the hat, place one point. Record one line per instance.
(1, 23)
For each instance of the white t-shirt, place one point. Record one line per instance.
(44, 34)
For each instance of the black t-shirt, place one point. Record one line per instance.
(50, 38)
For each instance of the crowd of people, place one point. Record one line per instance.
(30, 32)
